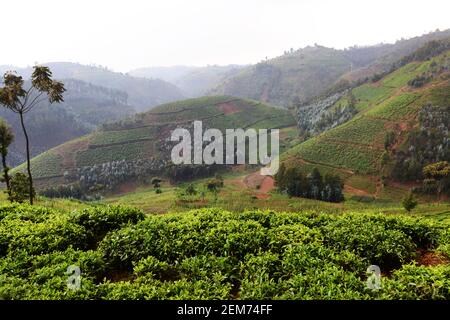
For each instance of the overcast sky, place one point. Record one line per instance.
(123, 35)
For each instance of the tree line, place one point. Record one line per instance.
(294, 182)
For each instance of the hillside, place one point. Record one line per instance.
(140, 147)
(85, 106)
(142, 93)
(401, 124)
(305, 73)
(193, 81)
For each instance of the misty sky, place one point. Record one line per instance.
(123, 35)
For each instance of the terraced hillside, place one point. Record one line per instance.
(389, 114)
(140, 147)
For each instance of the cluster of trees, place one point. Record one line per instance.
(425, 145)
(21, 99)
(72, 191)
(191, 193)
(428, 51)
(109, 174)
(318, 115)
(436, 178)
(295, 183)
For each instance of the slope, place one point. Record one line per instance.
(390, 112)
(305, 73)
(193, 81)
(140, 147)
(85, 106)
(142, 93)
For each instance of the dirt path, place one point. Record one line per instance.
(258, 185)
(355, 191)
(347, 171)
(68, 152)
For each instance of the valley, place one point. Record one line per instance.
(363, 181)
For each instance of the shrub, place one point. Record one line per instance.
(100, 220)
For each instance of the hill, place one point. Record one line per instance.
(85, 106)
(398, 124)
(142, 93)
(305, 73)
(193, 81)
(140, 147)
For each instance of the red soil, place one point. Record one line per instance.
(430, 258)
(228, 108)
(358, 192)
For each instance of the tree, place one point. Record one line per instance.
(20, 99)
(213, 186)
(439, 172)
(316, 184)
(6, 138)
(190, 190)
(20, 188)
(332, 190)
(156, 182)
(409, 202)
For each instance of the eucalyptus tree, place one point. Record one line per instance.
(21, 97)
(6, 138)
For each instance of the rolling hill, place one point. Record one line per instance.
(305, 73)
(401, 124)
(140, 147)
(193, 81)
(142, 93)
(85, 106)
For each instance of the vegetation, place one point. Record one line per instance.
(300, 75)
(437, 178)
(6, 138)
(296, 184)
(397, 131)
(20, 100)
(20, 188)
(215, 254)
(409, 202)
(140, 147)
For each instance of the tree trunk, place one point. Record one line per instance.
(5, 174)
(28, 158)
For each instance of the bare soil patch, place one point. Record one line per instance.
(431, 258)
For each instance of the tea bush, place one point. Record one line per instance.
(215, 254)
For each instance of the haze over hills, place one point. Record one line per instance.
(332, 90)
(85, 106)
(142, 93)
(305, 73)
(193, 81)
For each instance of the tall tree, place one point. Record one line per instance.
(21, 99)
(439, 172)
(6, 138)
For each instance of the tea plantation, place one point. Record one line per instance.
(215, 254)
